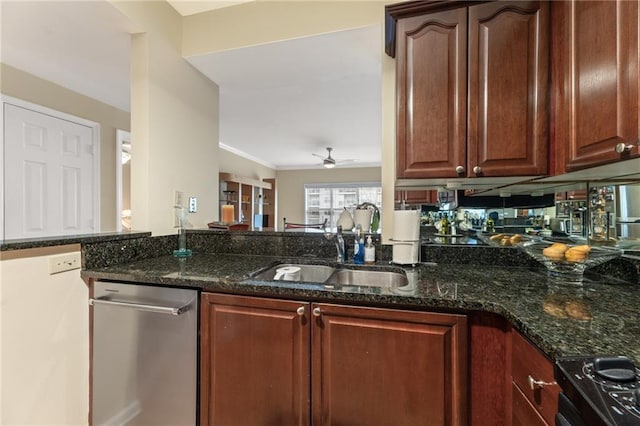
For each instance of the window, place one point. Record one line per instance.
(329, 200)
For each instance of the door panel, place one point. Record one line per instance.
(386, 367)
(255, 361)
(596, 65)
(431, 93)
(49, 175)
(508, 84)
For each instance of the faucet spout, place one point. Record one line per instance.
(339, 242)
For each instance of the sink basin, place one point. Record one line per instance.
(336, 276)
(368, 278)
(308, 273)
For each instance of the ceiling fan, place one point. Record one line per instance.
(329, 162)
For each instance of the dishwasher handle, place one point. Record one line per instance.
(170, 310)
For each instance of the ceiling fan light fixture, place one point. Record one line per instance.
(329, 165)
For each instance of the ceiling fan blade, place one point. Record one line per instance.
(319, 156)
(349, 160)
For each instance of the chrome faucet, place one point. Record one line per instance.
(340, 247)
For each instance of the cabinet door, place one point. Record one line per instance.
(387, 367)
(417, 197)
(431, 94)
(508, 89)
(528, 361)
(524, 414)
(595, 57)
(254, 361)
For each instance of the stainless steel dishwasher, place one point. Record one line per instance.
(145, 355)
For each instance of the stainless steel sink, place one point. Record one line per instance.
(368, 278)
(308, 273)
(337, 276)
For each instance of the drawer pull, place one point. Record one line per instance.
(300, 311)
(621, 148)
(539, 384)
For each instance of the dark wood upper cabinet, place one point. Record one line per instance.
(431, 92)
(595, 82)
(508, 123)
(472, 92)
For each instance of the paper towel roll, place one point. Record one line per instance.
(406, 225)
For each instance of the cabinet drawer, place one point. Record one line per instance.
(529, 361)
(522, 411)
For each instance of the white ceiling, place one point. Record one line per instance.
(279, 103)
(81, 45)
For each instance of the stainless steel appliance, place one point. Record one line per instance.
(598, 391)
(144, 355)
(628, 211)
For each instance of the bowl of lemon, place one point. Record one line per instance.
(566, 262)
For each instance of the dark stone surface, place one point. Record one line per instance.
(598, 317)
(29, 243)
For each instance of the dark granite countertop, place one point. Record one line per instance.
(599, 317)
(39, 242)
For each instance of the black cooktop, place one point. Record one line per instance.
(605, 390)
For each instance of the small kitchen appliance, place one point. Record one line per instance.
(406, 237)
(598, 391)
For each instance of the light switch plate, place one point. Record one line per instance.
(63, 263)
(193, 205)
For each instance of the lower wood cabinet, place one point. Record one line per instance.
(276, 362)
(534, 392)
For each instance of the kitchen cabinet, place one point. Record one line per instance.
(261, 358)
(254, 361)
(472, 90)
(595, 82)
(577, 195)
(245, 195)
(534, 391)
(411, 198)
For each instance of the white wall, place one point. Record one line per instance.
(261, 22)
(21, 85)
(233, 163)
(174, 123)
(290, 185)
(44, 341)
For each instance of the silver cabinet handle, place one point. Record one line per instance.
(300, 311)
(622, 148)
(538, 384)
(460, 170)
(170, 310)
(317, 312)
(477, 170)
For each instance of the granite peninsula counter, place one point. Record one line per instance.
(599, 317)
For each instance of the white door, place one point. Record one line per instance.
(49, 175)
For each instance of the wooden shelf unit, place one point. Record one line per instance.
(246, 196)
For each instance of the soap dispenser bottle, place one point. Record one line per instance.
(358, 248)
(369, 252)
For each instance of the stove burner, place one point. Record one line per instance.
(608, 386)
(617, 369)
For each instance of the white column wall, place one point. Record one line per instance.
(174, 124)
(44, 341)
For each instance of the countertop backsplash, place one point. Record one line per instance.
(316, 245)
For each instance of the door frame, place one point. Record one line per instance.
(121, 136)
(95, 136)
